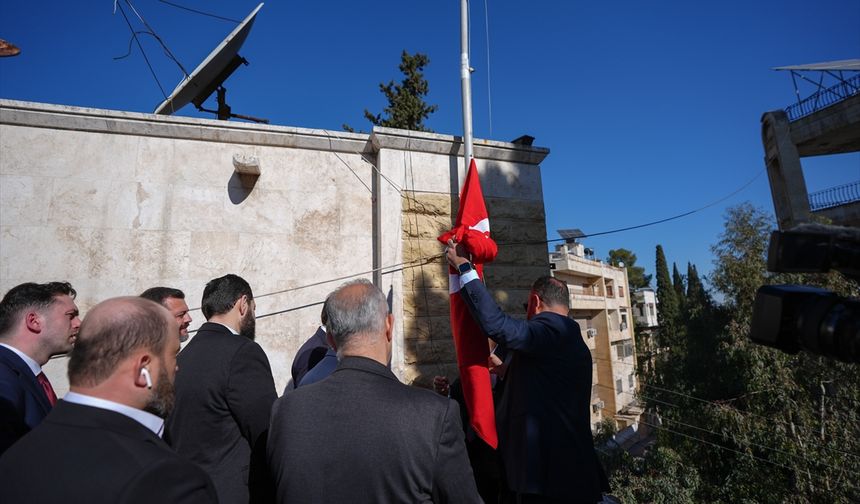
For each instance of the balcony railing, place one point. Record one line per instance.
(835, 196)
(824, 98)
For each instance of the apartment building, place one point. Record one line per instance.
(600, 302)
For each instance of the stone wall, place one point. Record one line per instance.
(116, 202)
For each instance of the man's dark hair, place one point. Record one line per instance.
(221, 294)
(160, 294)
(552, 291)
(106, 339)
(30, 296)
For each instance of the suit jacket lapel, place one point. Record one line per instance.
(26, 378)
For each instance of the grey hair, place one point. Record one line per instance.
(355, 313)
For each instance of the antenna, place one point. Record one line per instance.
(209, 76)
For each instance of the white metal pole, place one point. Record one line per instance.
(466, 80)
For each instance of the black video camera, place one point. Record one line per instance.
(795, 317)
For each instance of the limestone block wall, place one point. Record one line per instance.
(430, 187)
(116, 202)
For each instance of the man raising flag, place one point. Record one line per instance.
(472, 231)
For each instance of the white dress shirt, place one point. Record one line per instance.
(33, 365)
(148, 420)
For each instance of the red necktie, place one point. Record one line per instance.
(49, 390)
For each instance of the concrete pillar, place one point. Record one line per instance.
(787, 185)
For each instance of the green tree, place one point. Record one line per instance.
(661, 477)
(678, 285)
(636, 276)
(667, 309)
(737, 410)
(406, 106)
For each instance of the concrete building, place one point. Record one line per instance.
(645, 318)
(116, 202)
(600, 303)
(825, 122)
(645, 307)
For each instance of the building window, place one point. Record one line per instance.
(620, 291)
(651, 308)
(609, 292)
(630, 380)
(619, 386)
(624, 349)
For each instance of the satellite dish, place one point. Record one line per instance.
(210, 75)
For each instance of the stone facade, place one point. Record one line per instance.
(116, 202)
(600, 302)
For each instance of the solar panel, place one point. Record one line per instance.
(570, 235)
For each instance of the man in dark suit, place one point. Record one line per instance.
(361, 436)
(310, 354)
(174, 301)
(37, 321)
(543, 413)
(100, 444)
(224, 395)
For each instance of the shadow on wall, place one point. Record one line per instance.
(239, 186)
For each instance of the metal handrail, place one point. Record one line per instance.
(824, 98)
(835, 196)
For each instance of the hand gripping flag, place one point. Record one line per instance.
(472, 229)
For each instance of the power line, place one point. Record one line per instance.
(742, 413)
(134, 34)
(160, 41)
(391, 269)
(668, 419)
(200, 12)
(652, 223)
(694, 438)
(421, 265)
(489, 96)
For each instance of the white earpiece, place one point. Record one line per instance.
(145, 373)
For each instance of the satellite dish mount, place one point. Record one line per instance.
(224, 113)
(210, 76)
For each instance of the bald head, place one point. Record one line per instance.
(111, 332)
(357, 316)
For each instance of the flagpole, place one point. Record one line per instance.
(466, 81)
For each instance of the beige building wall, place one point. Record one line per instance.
(116, 202)
(601, 304)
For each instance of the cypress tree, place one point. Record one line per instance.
(678, 285)
(667, 310)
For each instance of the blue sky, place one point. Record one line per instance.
(650, 109)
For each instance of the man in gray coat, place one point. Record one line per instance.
(360, 435)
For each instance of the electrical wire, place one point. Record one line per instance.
(421, 266)
(742, 413)
(694, 438)
(200, 12)
(751, 443)
(160, 41)
(652, 223)
(393, 268)
(428, 259)
(489, 95)
(134, 34)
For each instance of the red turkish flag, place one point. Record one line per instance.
(472, 229)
